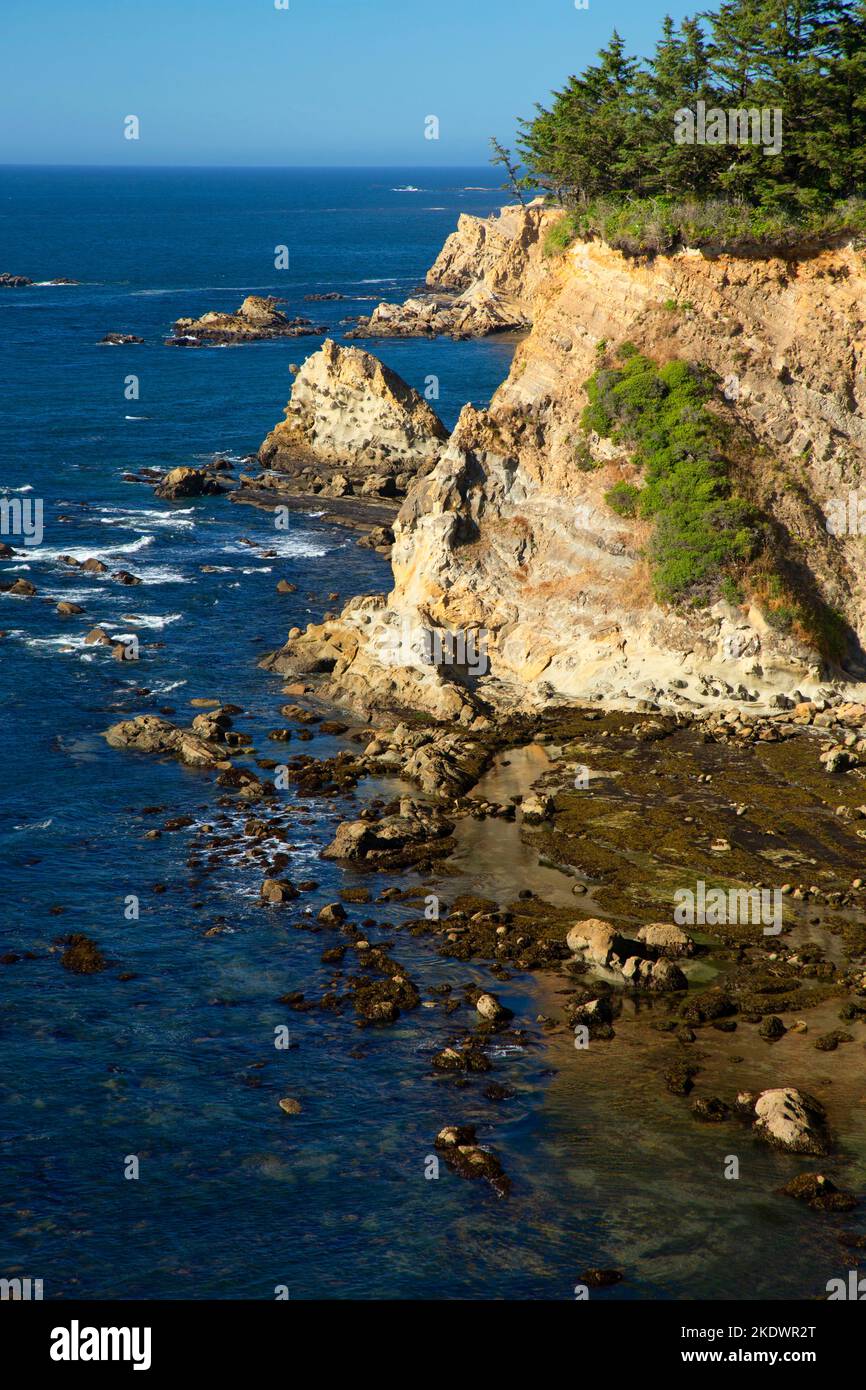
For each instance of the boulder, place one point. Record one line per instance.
(792, 1120)
(666, 940)
(188, 482)
(147, 733)
(276, 890)
(597, 941)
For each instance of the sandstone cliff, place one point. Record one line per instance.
(509, 537)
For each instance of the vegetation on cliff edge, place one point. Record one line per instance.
(707, 540)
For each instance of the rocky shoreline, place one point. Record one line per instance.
(760, 993)
(660, 780)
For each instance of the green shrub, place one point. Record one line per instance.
(623, 498)
(701, 528)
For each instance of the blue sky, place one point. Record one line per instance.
(341, 82)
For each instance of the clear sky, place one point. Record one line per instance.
(322, 82)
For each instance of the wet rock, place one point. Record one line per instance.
(819, 1192)
(120, 339)
(469, 1057)
(332, 915)
(792, 1120)
(22, 587)
(147, 733)
(601, 1278)
(711, 1110)
(276, 891)
(461, 1151)
(82, 956)
(284, 586)
(125, 577)
(679, 1077)
(188, 482)
(290, 1106)
(258, 317)
(489, 1007)
(828, 1042)
(67, 609)
(414, 834)
(772, 1029)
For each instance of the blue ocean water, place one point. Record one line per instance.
(169, 1055)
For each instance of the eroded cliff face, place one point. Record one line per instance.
(510, 539)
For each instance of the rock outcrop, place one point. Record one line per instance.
(258, 317)
(482, 282)
(147, 733)
(508, 542)
(188, 482)
(352, 426)
(788, 1119)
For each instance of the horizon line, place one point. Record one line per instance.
(22, 164)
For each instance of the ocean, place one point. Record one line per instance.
(168, 1056)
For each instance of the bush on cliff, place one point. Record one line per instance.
(702, 528)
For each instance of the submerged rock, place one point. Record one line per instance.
(461, 1151)
(819, 1192)
(82, 956)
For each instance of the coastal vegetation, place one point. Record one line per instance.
(746, 128)
(708, 540)
(702, 528)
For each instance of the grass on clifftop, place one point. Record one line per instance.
(707, 540)
(658, 226)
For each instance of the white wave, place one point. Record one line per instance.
(287, 547)
(71, 641)
(35, 825)
(205, 289)
(166, 687)
(96, 552)
(155, 620)
(156, 574)
(136, 417)
(28, 487)
(139, 519)
(383, 280)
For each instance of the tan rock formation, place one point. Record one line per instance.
(508, 539)
(257, 317)
(350, 412)
(492, 265)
